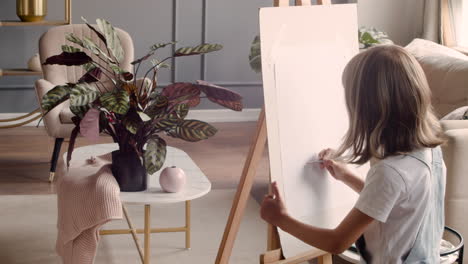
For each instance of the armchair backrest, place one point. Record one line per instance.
(51, 42)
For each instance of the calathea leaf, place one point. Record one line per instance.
(69, 59)
(70, 49)
(155, 154)
(200, 49)
(88, 44)
(79, 111)
(221, 96)
(157, 106)
(113, 40)
(83, 94)
(132, 120)
(181, 110)
(182, 93)
(192, 130)
(99, 34)
(159, 65)
(152, 51)
(88, 66)
(166, 123)
(255, 56)
(55, 96)
(116, 101)
(161, 45)
(92, 75)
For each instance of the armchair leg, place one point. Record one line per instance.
(55, 155)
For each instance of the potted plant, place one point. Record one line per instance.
(134, 114)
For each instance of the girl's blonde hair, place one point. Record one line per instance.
(389, 106)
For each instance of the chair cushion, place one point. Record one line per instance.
(66, 115)
(447, 74)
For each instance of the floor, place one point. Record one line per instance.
(25, 153)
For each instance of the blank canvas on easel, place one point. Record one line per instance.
(304, 52)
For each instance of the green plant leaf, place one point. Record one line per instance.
(144, 117)
(88, 66)
(193, 130)
(70, 49)
(159, 65)
(83, 94)
(200, 49)
(69, 59)
(181, 110)
(116, 101)
(99, 34)
(155, 154)
(79, 111)
(167, 123)
(113, 41)
(367, 39)
(88, 44)
(152, 51)
(55, 96)
(255, 56)
(157, 106)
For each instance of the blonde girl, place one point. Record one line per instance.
(399, 215)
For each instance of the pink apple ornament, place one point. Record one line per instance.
(172, 179)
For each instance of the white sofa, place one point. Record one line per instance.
(447, 74)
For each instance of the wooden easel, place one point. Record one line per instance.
(274, 254)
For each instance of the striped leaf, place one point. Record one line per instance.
(116, 101)
(70, 49)
(93, 75)
(79, 111)
(55, 96)
(200, 49)
(83, 94)
(221, 95)
(112, 38)
(88, 44)
(167, 124)
(155, 154)
(181, 110)
(152, 51)
(255, 56)
(157, 106)
(99, 34)
(193, 130)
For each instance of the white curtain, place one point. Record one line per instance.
(458, 17)
(446, 22)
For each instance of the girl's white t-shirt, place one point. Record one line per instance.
(395, 194)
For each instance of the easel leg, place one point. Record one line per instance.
(243, 191)
(325, 259)
(187, 224)
(147, 233)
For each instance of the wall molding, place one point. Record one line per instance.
(207, 115)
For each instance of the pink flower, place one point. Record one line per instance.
(89, 125)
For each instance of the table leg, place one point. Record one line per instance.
(187, 224)
(147, 233)
(134, 233)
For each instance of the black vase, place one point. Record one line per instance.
(128, 171)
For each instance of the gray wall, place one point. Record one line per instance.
(231, 23)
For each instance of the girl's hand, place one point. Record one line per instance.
(339, 170)
(273, 209)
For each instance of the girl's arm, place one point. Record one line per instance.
(340, 171)
(331, 240)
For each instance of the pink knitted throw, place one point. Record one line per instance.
(88, 197)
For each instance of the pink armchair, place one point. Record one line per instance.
(58, 121)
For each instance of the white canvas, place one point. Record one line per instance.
(304, 52)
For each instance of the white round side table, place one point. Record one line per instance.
(196, 186)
